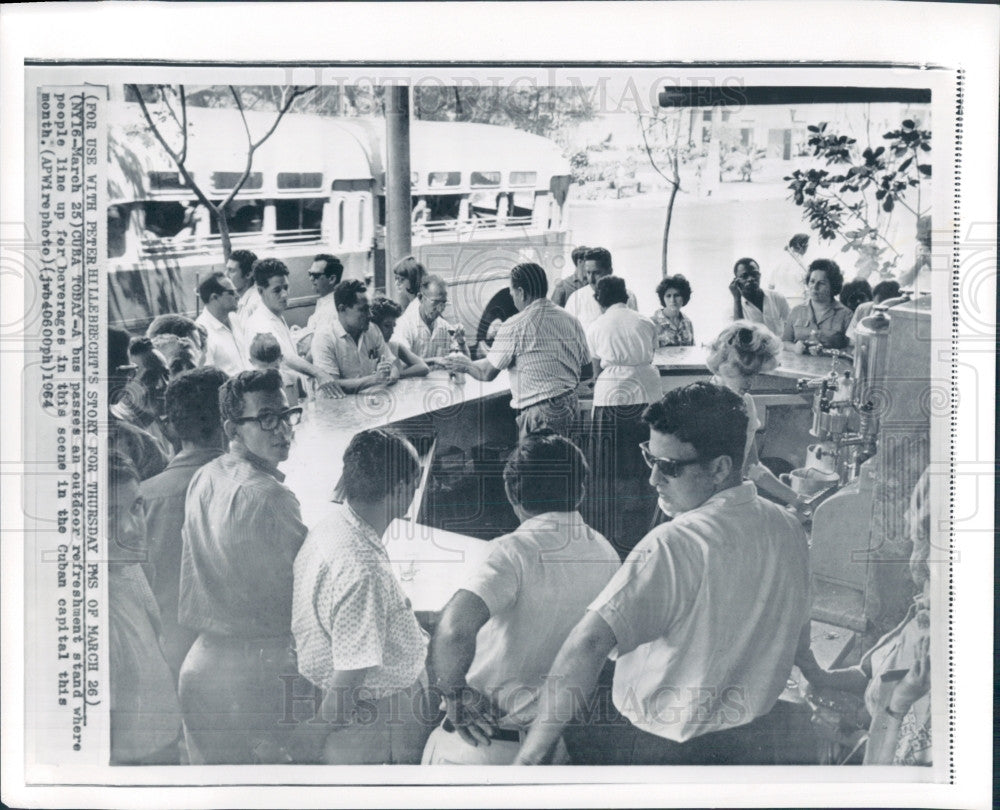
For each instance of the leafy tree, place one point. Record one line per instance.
(856, 200)
(165, 109)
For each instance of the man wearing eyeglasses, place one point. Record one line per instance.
(222, 348)
(705, 616)
(422, 329)
(242, 530)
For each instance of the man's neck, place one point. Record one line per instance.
(374, 514)
(429, 320)
(221, 317)
(355, 335)
(277, 314)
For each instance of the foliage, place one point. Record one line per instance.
(855, 199)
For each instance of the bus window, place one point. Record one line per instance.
(118, 217)
(162, 220)
(484, 179)
(291, 180)
(298, 220)
(523, 203)
(444, 207)
(523, 178)
(224, 181)
(242, 217)
(444, 179)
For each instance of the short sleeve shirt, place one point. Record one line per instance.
(707, 611)
(774, 313)
(831, 329)
(222, 349)
(263, 321)
(673, 333)
(624, 342)
(544, 347)
(413, 332)
(335, 352)
(349, 609)
(537, 583)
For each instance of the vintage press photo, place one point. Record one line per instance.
(333, 427)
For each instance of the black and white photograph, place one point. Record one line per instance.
(604, 424)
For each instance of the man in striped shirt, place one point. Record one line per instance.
(545, 350)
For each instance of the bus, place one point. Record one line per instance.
(483, 197)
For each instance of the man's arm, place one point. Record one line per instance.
(324, 382)
(481, 369)
(452, 651)
(573, 677)
(587, 370)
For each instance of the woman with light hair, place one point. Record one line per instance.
(741, 352)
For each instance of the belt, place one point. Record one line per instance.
(500, 735)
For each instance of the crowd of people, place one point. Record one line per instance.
(241, 635)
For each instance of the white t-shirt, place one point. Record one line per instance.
(584, 307)
(707, 611)
(774, 314)
(537, 583)
(263, 321)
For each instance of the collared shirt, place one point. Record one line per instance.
(673, 333)
(552, 566)
(349, 609)
(246, 306)
(324, 314)
(164, 496)
(242, 530)
(138, 445)
(263, 321)
(773, 315)
(624, 342)
(831, 329)
(544, 347)
(222, 349)
(412, 331)
(584, 307)
(565, 287)
(145, 714)
(335, 352)
(707, 610)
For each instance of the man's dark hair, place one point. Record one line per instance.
(855, 292)
(211, 286)
(833, 274)
(192, 404)
(711, 418)
(334, 266)
(264, 348)
(799, 242)
(245, 259)
(118, 361)
(611, 290)
(345, 294)
(266, 269)
(885, 290)
(374, 462)
(600, 255)
(138, 346)
(679, 283)
(179, 325)
(383, 308)
(747, 261)
(233, 390)
(546, 473)
(530, 279)
(579, 254)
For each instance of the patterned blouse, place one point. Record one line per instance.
(673, 333)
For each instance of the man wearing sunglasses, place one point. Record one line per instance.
(242, 530)
(705, 616)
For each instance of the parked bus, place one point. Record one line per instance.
(484, 198)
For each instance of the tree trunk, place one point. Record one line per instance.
(227, 245)
(666, 229)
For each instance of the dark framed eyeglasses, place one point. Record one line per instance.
(668, 467)
(269, 420)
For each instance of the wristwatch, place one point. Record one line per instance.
(894, 715)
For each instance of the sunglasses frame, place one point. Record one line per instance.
(673, 466)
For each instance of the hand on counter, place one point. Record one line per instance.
(329, 387)
(456, 362)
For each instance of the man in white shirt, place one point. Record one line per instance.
(545, 350)
(357, 637)
(789, 275)
(325, 273)
(705, 618)
(499, 634)
(239, 268)
(422, 329)
(352, 349)
(271, 278)
(751, 303)
(222, 350)
(581, 304)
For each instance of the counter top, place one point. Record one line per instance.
(328, 425)
(791, 365)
